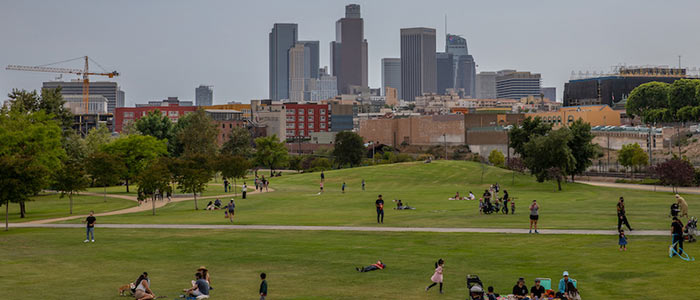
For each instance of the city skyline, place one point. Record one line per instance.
(159, 51)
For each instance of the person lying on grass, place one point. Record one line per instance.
(401, 206)
(376, 266)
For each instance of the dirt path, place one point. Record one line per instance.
(346, 228)
(144, 207)
(642, 187)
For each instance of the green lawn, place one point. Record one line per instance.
(426, 187)
(52, 206)
(56, 264)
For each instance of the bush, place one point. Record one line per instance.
(497, 159)
(424, 157)
(403, 157)
(320, 164)
(647, 181)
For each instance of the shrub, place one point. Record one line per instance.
(496, 158)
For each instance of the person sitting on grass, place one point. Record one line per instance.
(572, 292)
(520, 290)
(210, 205)
(537, 291)
(217, 204)
(143, 288)
(471, 196)
(457, 196)
(563, 283)
(200, 288)
(490, 294)
(376, 266)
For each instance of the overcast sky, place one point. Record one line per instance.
(167, 48)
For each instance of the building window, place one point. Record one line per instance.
(311, 125)
(290, 125)
(223, 125)
(291, 111)
(301, 118)
(163, 113)
(311, 118)
(301, 132)
(323, 118)
(323, 125)
(290, 132)
(128, 114)
(173, 113)
(230, 125)
(311, 111)
(323, 111)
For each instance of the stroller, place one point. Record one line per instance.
(489, 208)
(691, 230)
(475, 287)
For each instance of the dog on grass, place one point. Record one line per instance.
(127, 288)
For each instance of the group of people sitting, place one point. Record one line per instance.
(214, 205)
(141, 288)
(401, 206)
(470, 196)
(567, 290)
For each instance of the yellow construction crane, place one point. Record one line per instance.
(85, 73)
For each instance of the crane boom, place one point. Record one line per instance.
(84, 73)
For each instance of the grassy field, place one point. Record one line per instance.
(52, 206)
(55, 264)
(426, 187)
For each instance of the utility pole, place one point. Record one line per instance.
(444, 136)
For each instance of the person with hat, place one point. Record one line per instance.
(561, 293)
(520, 290)
(205, 275)
(683, 205)
(537, 291)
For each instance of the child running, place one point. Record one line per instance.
(622, 240)
(437, 276)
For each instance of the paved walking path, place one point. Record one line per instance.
(346, 228)
(643, 187)
(143, 207)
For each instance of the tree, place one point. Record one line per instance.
(96, 138)
(544, 152)
(233, 166)
(105, 169)
(134, 151)
(50, 102)
(295, 163)
(71, 178)
(632, 156)
(155, 124)
(349, 148)
(675, 172)
(270, 152)
(682, 93)
(516, 164)
(647, 96)
(582, 147)
(238, 143)
(192, 172)
(195, 133)
(153, 178)
(531, 127)
(30, 151)
(497, 159)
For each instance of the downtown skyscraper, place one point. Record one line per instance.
(349, 51)
(456, 68)
(418, 62)
(282, 38)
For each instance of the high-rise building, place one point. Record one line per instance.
(391, 75)
(203, 95)
(311, 58)
(121, 98)
(327, 86)
(550, 93)
(282, 38)
(418, 62)
(298, 78)
(349, 50)
(108, 89)
(512, 84)
(464, 67)
(445, 72)
(486, 85)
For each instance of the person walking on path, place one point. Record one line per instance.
(363, 184)
(244, 190)
(677, 236)
(437, 276)
(682, 205)
(263, 286)
(343, 187)
(380, 209)
(225, 185)
(230, 209)
(621, 217)
(90, 231)
(534, 215)
(622, 240)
